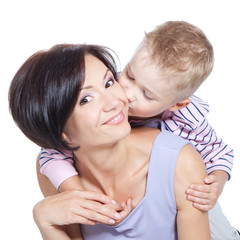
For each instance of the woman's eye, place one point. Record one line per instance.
(85, 100)
(128, 76)
(109, 83)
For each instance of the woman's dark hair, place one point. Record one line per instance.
(44, 91)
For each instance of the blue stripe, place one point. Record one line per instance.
(207, 152)
(201, 102)
(197, 109)
(185, 117)
(181, 132)
(201, 132)
(176, 116)
(46, 162)
(168, 126)
(225, 160)
(209, 137)
(188, 134)
(192, 114)
(60, 151)
(218, 153)
(220, 165)
(175, 122)
(230, 154)
(65, 159)
(202, 122)
(211, 149)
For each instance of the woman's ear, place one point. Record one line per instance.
(179, 105)
(65, 137)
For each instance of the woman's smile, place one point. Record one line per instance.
(115, 120)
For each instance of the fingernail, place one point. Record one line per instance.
(117, 215)
(122, 204)
(111, 221)
(114, 202)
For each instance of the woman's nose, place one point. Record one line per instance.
(111, 102)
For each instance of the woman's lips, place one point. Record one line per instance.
(117, 119)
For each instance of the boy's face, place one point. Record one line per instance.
(146, 87)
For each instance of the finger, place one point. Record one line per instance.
(198, 200)
(210, 179)
(201, 188)
(129, 204)
(100, 209)
(96, 196)
(198, 194)
(95, 216)
(82, 220)
(127, 208)
(202, 207)
(116, 207)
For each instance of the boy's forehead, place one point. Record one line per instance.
(142, 61)
(142, 55)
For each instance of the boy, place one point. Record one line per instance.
(167, 68)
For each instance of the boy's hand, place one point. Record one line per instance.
(204, 196)
(80, 207)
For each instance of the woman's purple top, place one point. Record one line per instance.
(155, 216)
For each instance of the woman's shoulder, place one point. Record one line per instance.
(145, 134)
(142, 139)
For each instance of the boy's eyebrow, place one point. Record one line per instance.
(87, 87)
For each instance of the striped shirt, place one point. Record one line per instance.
(189, 123)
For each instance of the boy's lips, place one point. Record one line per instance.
(115, 120)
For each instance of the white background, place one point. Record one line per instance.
(28, 26)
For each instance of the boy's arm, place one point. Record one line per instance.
(92, 207)
(41, 215)
(191, 123)
(58, 166)
(192, 223)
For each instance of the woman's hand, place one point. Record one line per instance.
(81, 207)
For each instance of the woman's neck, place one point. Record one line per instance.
(119, 171)
(103, 167)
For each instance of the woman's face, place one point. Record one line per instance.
(100, 116)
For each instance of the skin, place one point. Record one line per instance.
(116, 164)
(150, 95)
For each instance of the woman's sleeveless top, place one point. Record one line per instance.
(155, 216)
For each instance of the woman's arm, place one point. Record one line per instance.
(191, 222)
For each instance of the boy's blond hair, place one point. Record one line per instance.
(182, 52)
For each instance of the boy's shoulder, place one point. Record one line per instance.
(189, 117)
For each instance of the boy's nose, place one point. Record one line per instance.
(128, 87)
(130, 94)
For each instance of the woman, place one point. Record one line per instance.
(73, 102)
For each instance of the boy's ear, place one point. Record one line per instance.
(180, 105)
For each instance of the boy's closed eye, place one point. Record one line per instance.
(146, 95)
(144, 92)
(129, 75)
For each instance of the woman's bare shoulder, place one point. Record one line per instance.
(145, 135)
